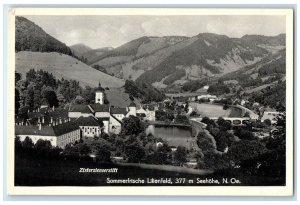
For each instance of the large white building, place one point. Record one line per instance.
(90, 126)
(111, 117)
(59, 135)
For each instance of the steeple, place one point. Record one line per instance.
(99, 97)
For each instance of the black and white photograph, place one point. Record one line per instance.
(168, 98)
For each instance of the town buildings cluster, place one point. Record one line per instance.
(66, 126)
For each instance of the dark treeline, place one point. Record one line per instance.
(248, 155)
(42, 88)
(143, 91)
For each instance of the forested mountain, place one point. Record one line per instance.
(31, 37)
(162, 61)
(38, 50)
(79, 49)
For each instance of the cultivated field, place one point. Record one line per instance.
(211, 110)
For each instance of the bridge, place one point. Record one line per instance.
(235, 121)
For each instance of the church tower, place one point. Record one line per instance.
(99, 98)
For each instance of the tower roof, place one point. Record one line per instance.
(132, 104)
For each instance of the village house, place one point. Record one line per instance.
(270, 115)
(118, 112)
(90, 126)
(146, 114)
(76, 111)
(59, 135)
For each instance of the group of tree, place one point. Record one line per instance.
(249, 155)
(42, 88)
(274, 97)
(144, 91)
(218, 89)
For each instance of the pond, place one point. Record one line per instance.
(174, 135)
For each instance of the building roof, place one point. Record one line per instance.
(118, 110)
(116, 119)
(132, 104)
(103, 118)
(88, 121)
(35, 115)
(46, 130)
(80, 108)
(100, 108)
(58, 112)
(189, 94)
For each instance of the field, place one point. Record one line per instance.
(213, 110)
(210, 110)
(64, 66)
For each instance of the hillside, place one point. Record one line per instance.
(64, 66)
(30, 37)
(163, 61)
(79, 49)
(93, 54)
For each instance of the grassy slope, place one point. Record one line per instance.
(63, 66)
(118, 98)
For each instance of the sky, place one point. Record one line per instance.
(113, 31)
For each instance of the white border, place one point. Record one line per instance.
(163, 190)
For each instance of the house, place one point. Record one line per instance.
(59, 135)
(131, 109)
(90, 126)
(270, 115)
(146, 114)
(100, 110)
(115, 125)
(76, 111)
(118, 112)
(207, 96)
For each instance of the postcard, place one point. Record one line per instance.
(150, 101)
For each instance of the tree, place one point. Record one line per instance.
(223, 124)
(17, 100)
(182, 119)
(244, 150)
(204, 143)
(27, 143)
(103, 154)
(247, 114)
(50, 96)
(18, 144)
(267, 122)
(244, 134)
(135, 152)
(180, 155)
(132, 125)
(42, 148)
(83, 149)
(79, 100)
